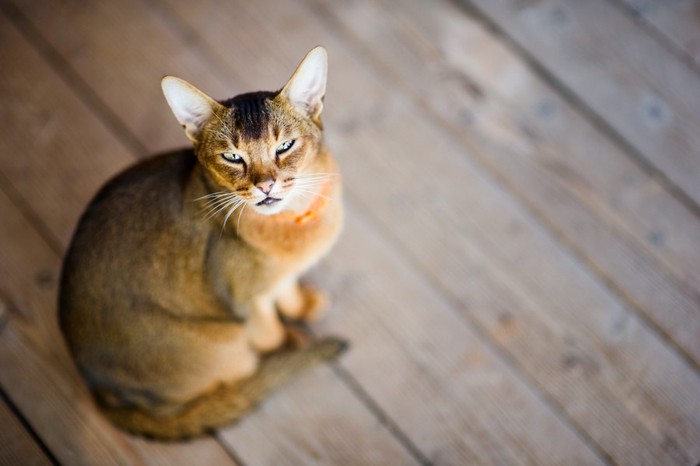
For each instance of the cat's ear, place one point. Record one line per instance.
(192, 107)
(307, 86)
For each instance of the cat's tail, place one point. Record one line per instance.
(228, 402)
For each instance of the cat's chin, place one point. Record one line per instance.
(269, 209)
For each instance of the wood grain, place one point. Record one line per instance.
(314, 420)
(675, 21)
(578, 182)
(625, 76)
(16, 444)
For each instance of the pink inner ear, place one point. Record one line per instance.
(307, 87)
(308, 101)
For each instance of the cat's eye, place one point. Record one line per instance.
(284, 147)
(231, 157)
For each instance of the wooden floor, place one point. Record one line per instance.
(520, 271)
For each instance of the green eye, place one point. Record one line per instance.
(284, 147)
(231, 157)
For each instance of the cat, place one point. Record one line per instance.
(176, 276)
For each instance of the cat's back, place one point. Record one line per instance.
(127, 225)
(142, 196)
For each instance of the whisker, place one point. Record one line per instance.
(240, 216)
(312, 193)
(218, 205)
(219, 200)
(222, 206)
(213, 195)
(308, 186)
(227, 216)
(318, 174)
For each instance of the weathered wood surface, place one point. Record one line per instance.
(677, 21)
(18, 446)
(518, 287)
(612, 65)
(640, 238)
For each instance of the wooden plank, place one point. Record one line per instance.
(429, 370)
(375, 438)
(450, 425)
(626, 77)
(36, 372)
(637, 236)
(48, 124)
(676, 21)
(564, 328)
(326, 425)
(134, 91)
(16, 444)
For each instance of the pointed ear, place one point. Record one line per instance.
(192, 107)
(307, 86)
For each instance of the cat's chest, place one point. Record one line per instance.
(293, 240)
(267, 247)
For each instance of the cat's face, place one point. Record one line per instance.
(257, 148)
(257, 145)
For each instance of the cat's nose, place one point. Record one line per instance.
(266, 186)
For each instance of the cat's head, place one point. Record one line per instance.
(257, 145)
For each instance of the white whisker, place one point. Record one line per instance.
(240, 216)
(219, 201)
(312, 193)
(219, 206)
(231, 210)
(213, 195)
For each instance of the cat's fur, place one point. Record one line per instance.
(172, 285)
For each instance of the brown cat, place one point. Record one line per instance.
(172, 285)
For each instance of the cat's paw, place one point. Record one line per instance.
(303, 303)
(315, 304)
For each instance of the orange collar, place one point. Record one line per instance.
(313, 212)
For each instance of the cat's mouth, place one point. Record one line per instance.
(268, 201)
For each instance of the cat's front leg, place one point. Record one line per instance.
(300, 302)
(263, 327)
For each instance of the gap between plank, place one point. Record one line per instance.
(598, 121)
(227, 448)
(665, 41)
(383, 418)
(607, 131)
(451, 302)
(113, 123)
(27, 427)
(72, 79)
(31, 216)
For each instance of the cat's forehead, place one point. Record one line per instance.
(251, 114)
